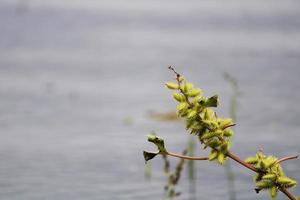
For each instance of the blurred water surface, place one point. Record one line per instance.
(77, 79)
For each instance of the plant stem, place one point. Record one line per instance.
(287, 193)
(237, 159)
(283, 190)
(242, 162)
(186, 157)
(287, 158)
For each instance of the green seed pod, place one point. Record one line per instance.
(286, 182)
(264, 184)
(210, 124)
(213, 143)
(269, 177)
(225, 123)
(213, 155)
(189, 123)
(263, 164)
(171, 86)
(187, 87)
(194, 92)
(178, 97)
(260, 155)
(228, 133)
(221, 158)
(224, 147)
(192, 114)
(208, 114)
(209, 135)
(182, 107)
(196, 127)
(258, 177)
(273, 191)
(251, 160)
(270, 161)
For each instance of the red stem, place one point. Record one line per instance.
(287, 158)
(237, 159)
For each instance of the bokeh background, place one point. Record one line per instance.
(78, 79)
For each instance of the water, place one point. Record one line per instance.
(74, 73)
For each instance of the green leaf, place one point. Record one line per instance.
(158, 142)
(212, 101)
(149, 155)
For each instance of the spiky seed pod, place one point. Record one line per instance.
(263, 164)
(210, 124)
(208, 114)
(285, 181)
(260, 155)
(192, 114)
(225, 123)
(224, 147)
(209, 135)
(264, 184)
(228, 133)
(182, 109)
(171, 85)
(213, 155)
(213, 143)
(270, 161)
(279, 170)
(269, 177)
(221, 158)
(251, 160)
(273, 192)
(189, 123)
(258, 177)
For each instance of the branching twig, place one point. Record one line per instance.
(287, 158)
(186, 157)
(242, 162)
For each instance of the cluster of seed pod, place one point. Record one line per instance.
(270, 174)
(201, 120)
